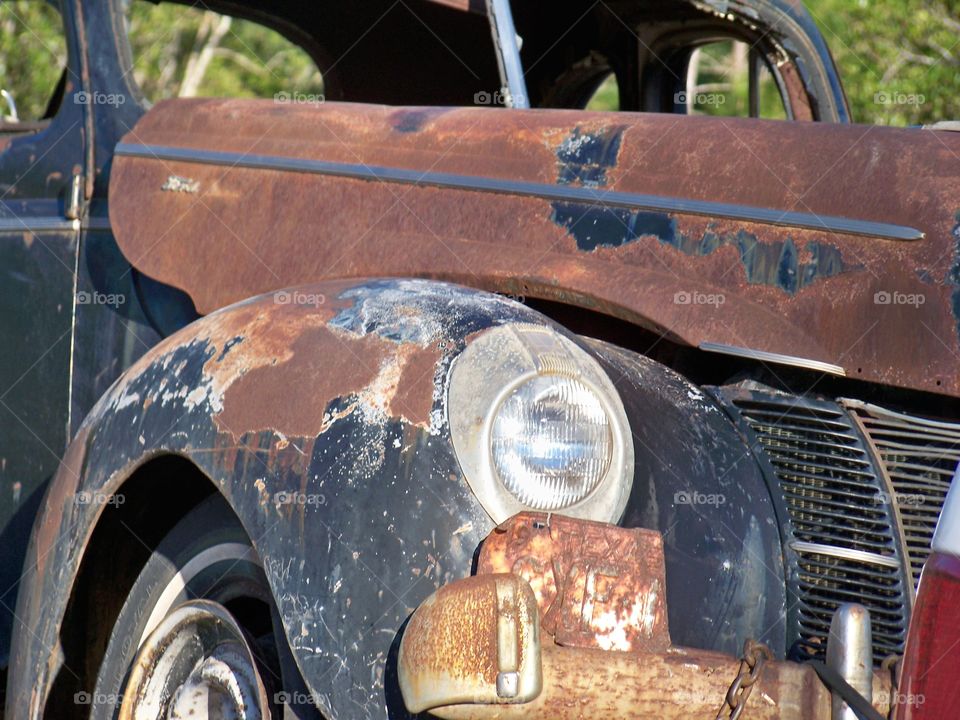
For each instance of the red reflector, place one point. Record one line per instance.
(930, 676)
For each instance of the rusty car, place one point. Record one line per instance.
(446, 394)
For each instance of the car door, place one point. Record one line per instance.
(41, 151)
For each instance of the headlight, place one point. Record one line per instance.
(537, 425)
(551, 442)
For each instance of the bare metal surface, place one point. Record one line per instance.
(850, 653)
(596, 585)
(196, 664)
(774, 358)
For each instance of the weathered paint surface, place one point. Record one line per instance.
(245, 393)
(809, 293)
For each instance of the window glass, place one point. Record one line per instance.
(33, 58)
(718, 83)
(187, 51)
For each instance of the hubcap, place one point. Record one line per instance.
(196, 664)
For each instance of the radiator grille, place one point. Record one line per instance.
(842, 532)
(919, 457)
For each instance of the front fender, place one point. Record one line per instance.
(319, 415)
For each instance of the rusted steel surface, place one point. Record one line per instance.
(597, 585)
(462, 640)
(809, 293)
(348, 488)
(582, 684)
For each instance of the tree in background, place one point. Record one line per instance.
(899, 59)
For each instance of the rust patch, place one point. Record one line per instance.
(445, 644)
(413, 399)
(269, 397)
(63, 485)
(597, 585)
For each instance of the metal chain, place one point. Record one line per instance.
(755, 656)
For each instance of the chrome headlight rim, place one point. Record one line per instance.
(491, 368)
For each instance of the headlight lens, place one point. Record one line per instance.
(551, 442)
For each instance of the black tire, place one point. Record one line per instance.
(208, 556)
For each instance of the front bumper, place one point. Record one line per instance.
(567, 619)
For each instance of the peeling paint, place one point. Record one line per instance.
(585, 156)
(775, 263)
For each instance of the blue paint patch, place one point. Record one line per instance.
(409, 121)
(776, 264)
(227, 346)
(584, 157)
(594, 226)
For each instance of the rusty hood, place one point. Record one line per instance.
(837, 244)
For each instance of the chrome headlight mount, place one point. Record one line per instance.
(538, 425)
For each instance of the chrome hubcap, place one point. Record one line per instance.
(196, 664)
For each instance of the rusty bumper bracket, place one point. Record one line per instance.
(474, 650)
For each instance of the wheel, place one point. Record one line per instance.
(195, 636)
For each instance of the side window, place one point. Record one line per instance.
(187, 51)
(606, 96)
(33, 61)
(725, 78)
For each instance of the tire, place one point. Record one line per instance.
(206, 556)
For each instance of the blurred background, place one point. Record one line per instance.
(906, 48)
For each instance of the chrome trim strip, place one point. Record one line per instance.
(38, 224)
(634, 201)
(845, 553)
(764, 356)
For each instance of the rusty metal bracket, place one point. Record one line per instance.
(597, 585)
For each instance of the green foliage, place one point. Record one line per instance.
(179, 50)
(33, 54)
(899, 59)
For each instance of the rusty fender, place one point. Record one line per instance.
(319, 415)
